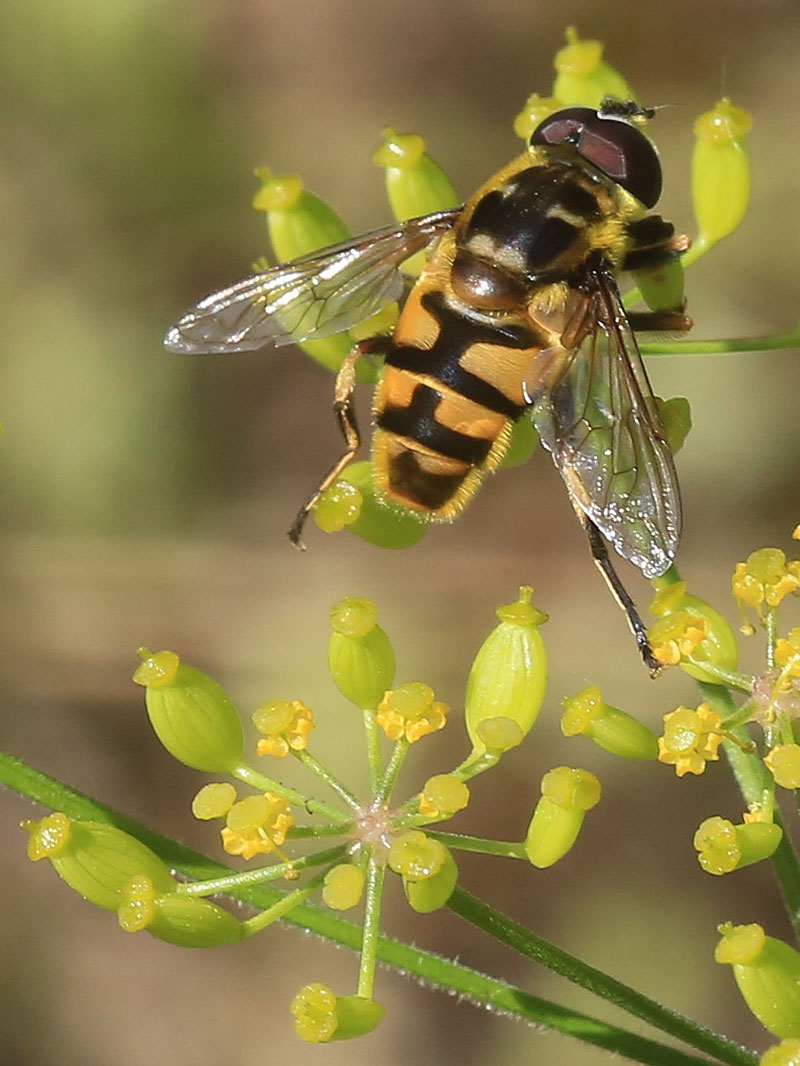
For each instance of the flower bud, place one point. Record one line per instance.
(524, 439)
(767, 972)
(720, 171)
(187, 921)
(783, 762)
(379, 521)
(343, 886)
(717, 646)
(415, 855)
(338, 506)
(360, 655)
(787, 1053)
(676, 418)
(213, 801)
(431, 893)
(661, 285)
(536, 110)
(723, 847)
(567, 794)
(191, 714)
(97, 860)
(508, 675)
(608, 727)
(583, 77)
(320, 1016)
(442, 796)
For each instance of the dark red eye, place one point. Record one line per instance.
(610, 143)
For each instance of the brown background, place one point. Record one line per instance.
(146, 497)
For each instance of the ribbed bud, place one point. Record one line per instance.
(611, 729)
(719, 646)
(95, 859)
(583, 77)
(524, 439)
(535, 110)
(320, 1016)
(676, 418)
(187, 921)
(360, 655)
(723, 847)
(191, 714)
(787, 1053)
(343, 886)
(567, 794)
(508, 675)
(431, 893)
(415, 184)
(379, 521)
(720, 171)
(661, 285)
(767, 972)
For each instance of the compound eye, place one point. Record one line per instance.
(612, 144)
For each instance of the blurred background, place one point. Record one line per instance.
(146, 496)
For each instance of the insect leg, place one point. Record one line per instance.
(619, 592)
(343, 409)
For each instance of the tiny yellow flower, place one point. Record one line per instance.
(690, 740)
(442, 796)
(787, 653)
(285, 727)
(675, 636)
(783, 762)
(765, 579)
(257, 825)
(410, 711)
(415, 855)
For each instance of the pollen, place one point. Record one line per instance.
(410, 712)
(690, 740)
(285, 727)
(257, 825)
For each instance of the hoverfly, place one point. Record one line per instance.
(517, 312)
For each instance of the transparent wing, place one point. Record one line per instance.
(315, 296)
(598, 418)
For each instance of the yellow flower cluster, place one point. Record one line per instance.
(690, 740)
(285, 727)
(411, 712)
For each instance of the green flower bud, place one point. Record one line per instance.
(191, 714)
(415, 855)
(583, 77)
(379, 521)
(360, 655)
(524, 439)
(320, 1016)
(337, 507)
(783, 762)
(415, 184)
(767, 972)
(608, 727)
(509, 674)
(719, 648)
(787, 1053)
(298, 223)
(720, 172)
(567, 794)
(535, 110)
(95, 859)
(723, 847)
(343, 886)
(431, 893)
(661, 285)
(187, 921)
(676, 417)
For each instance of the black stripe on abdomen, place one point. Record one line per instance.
(418, 422)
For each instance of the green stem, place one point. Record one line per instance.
(769, 343)
(393, 768)
(729, 678)
(751, 777)
(262, 783)
(372, 919)
(315, 832)
(283, 906)
(508, 849)
(374, 760)
(640, 1006)
(476, 763)
(433, 970)
(312, 764)
(771, 627)
(264, 874)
